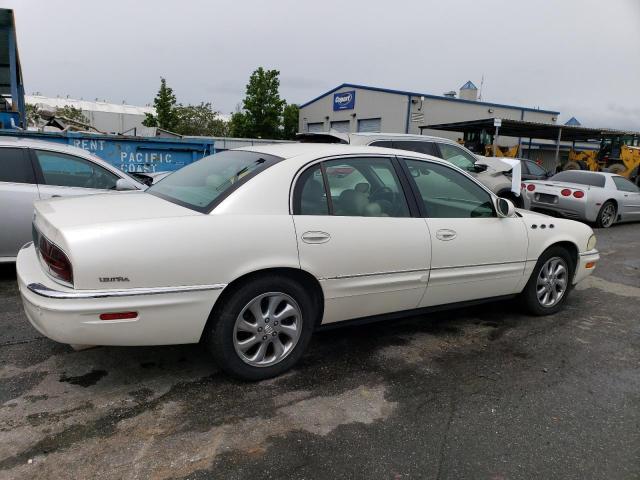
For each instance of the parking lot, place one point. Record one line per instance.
(483, 392)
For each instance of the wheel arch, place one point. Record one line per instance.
(571, 247)
(567, 244)
(305, 278)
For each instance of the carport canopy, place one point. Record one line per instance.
(521, 128)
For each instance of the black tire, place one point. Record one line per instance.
(529, 295)
(617, 168)
(219, 337)
(572, 165)
(602, 221)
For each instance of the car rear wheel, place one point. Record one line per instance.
(607, 215)
(262, 328)
(550, 282)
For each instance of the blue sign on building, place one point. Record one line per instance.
(344, 100)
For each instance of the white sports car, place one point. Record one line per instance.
(598, 197)
(251, 250)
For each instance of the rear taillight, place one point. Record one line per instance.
(578, 194)
(565, 192)
(118, 316)
(55, 259)
(531, 187)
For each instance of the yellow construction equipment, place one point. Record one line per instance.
(508, 152)
(615, 155)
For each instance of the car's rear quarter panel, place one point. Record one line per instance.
(182, 251)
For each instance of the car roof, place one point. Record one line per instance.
(370, 137)
(292, 150)
(604, 174)
(36, 143)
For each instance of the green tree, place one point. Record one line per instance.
(262, 106)
(199, 120)
(290, 116)
(238, 124)
(165, 105)
(71, 113)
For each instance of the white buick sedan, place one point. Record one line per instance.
(251, 250)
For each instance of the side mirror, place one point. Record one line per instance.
(505, 207)
(122, 185)
(480, 167)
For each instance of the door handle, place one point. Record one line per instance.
(446, 235)
(315, 237)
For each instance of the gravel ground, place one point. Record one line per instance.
(483, 392)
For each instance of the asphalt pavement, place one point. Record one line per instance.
(477, 393)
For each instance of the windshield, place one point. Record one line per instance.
(583, 178)
(203, 184)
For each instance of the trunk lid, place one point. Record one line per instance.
(57, 214)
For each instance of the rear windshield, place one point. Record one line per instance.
(205, 183)
(583, 178)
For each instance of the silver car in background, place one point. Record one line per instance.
(33, 170)
(597, 197)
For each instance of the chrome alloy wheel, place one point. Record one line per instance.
(608, 215)
(552, 281)
(267, 329)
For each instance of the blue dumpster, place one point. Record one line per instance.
(130, 154)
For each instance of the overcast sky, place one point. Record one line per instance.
(581, 57)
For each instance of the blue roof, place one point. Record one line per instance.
(468, 86)
(573, 121)
(426, 95)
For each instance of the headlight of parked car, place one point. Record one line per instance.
(591, 244)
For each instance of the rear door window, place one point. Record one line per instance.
(310, 197)
(15, 166)
(64, 170)
(355, 187)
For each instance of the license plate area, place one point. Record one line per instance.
(546, 198)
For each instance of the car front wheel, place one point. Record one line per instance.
(550, 282)
(262, 328)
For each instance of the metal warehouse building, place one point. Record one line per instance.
(361, 108)
(104, 116)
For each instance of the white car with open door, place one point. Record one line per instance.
(251, 250)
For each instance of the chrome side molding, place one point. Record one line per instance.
(45, 291)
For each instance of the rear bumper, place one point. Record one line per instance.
(567, 208)
(166, 315)
(587, 262)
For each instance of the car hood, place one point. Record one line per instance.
(69, 212)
